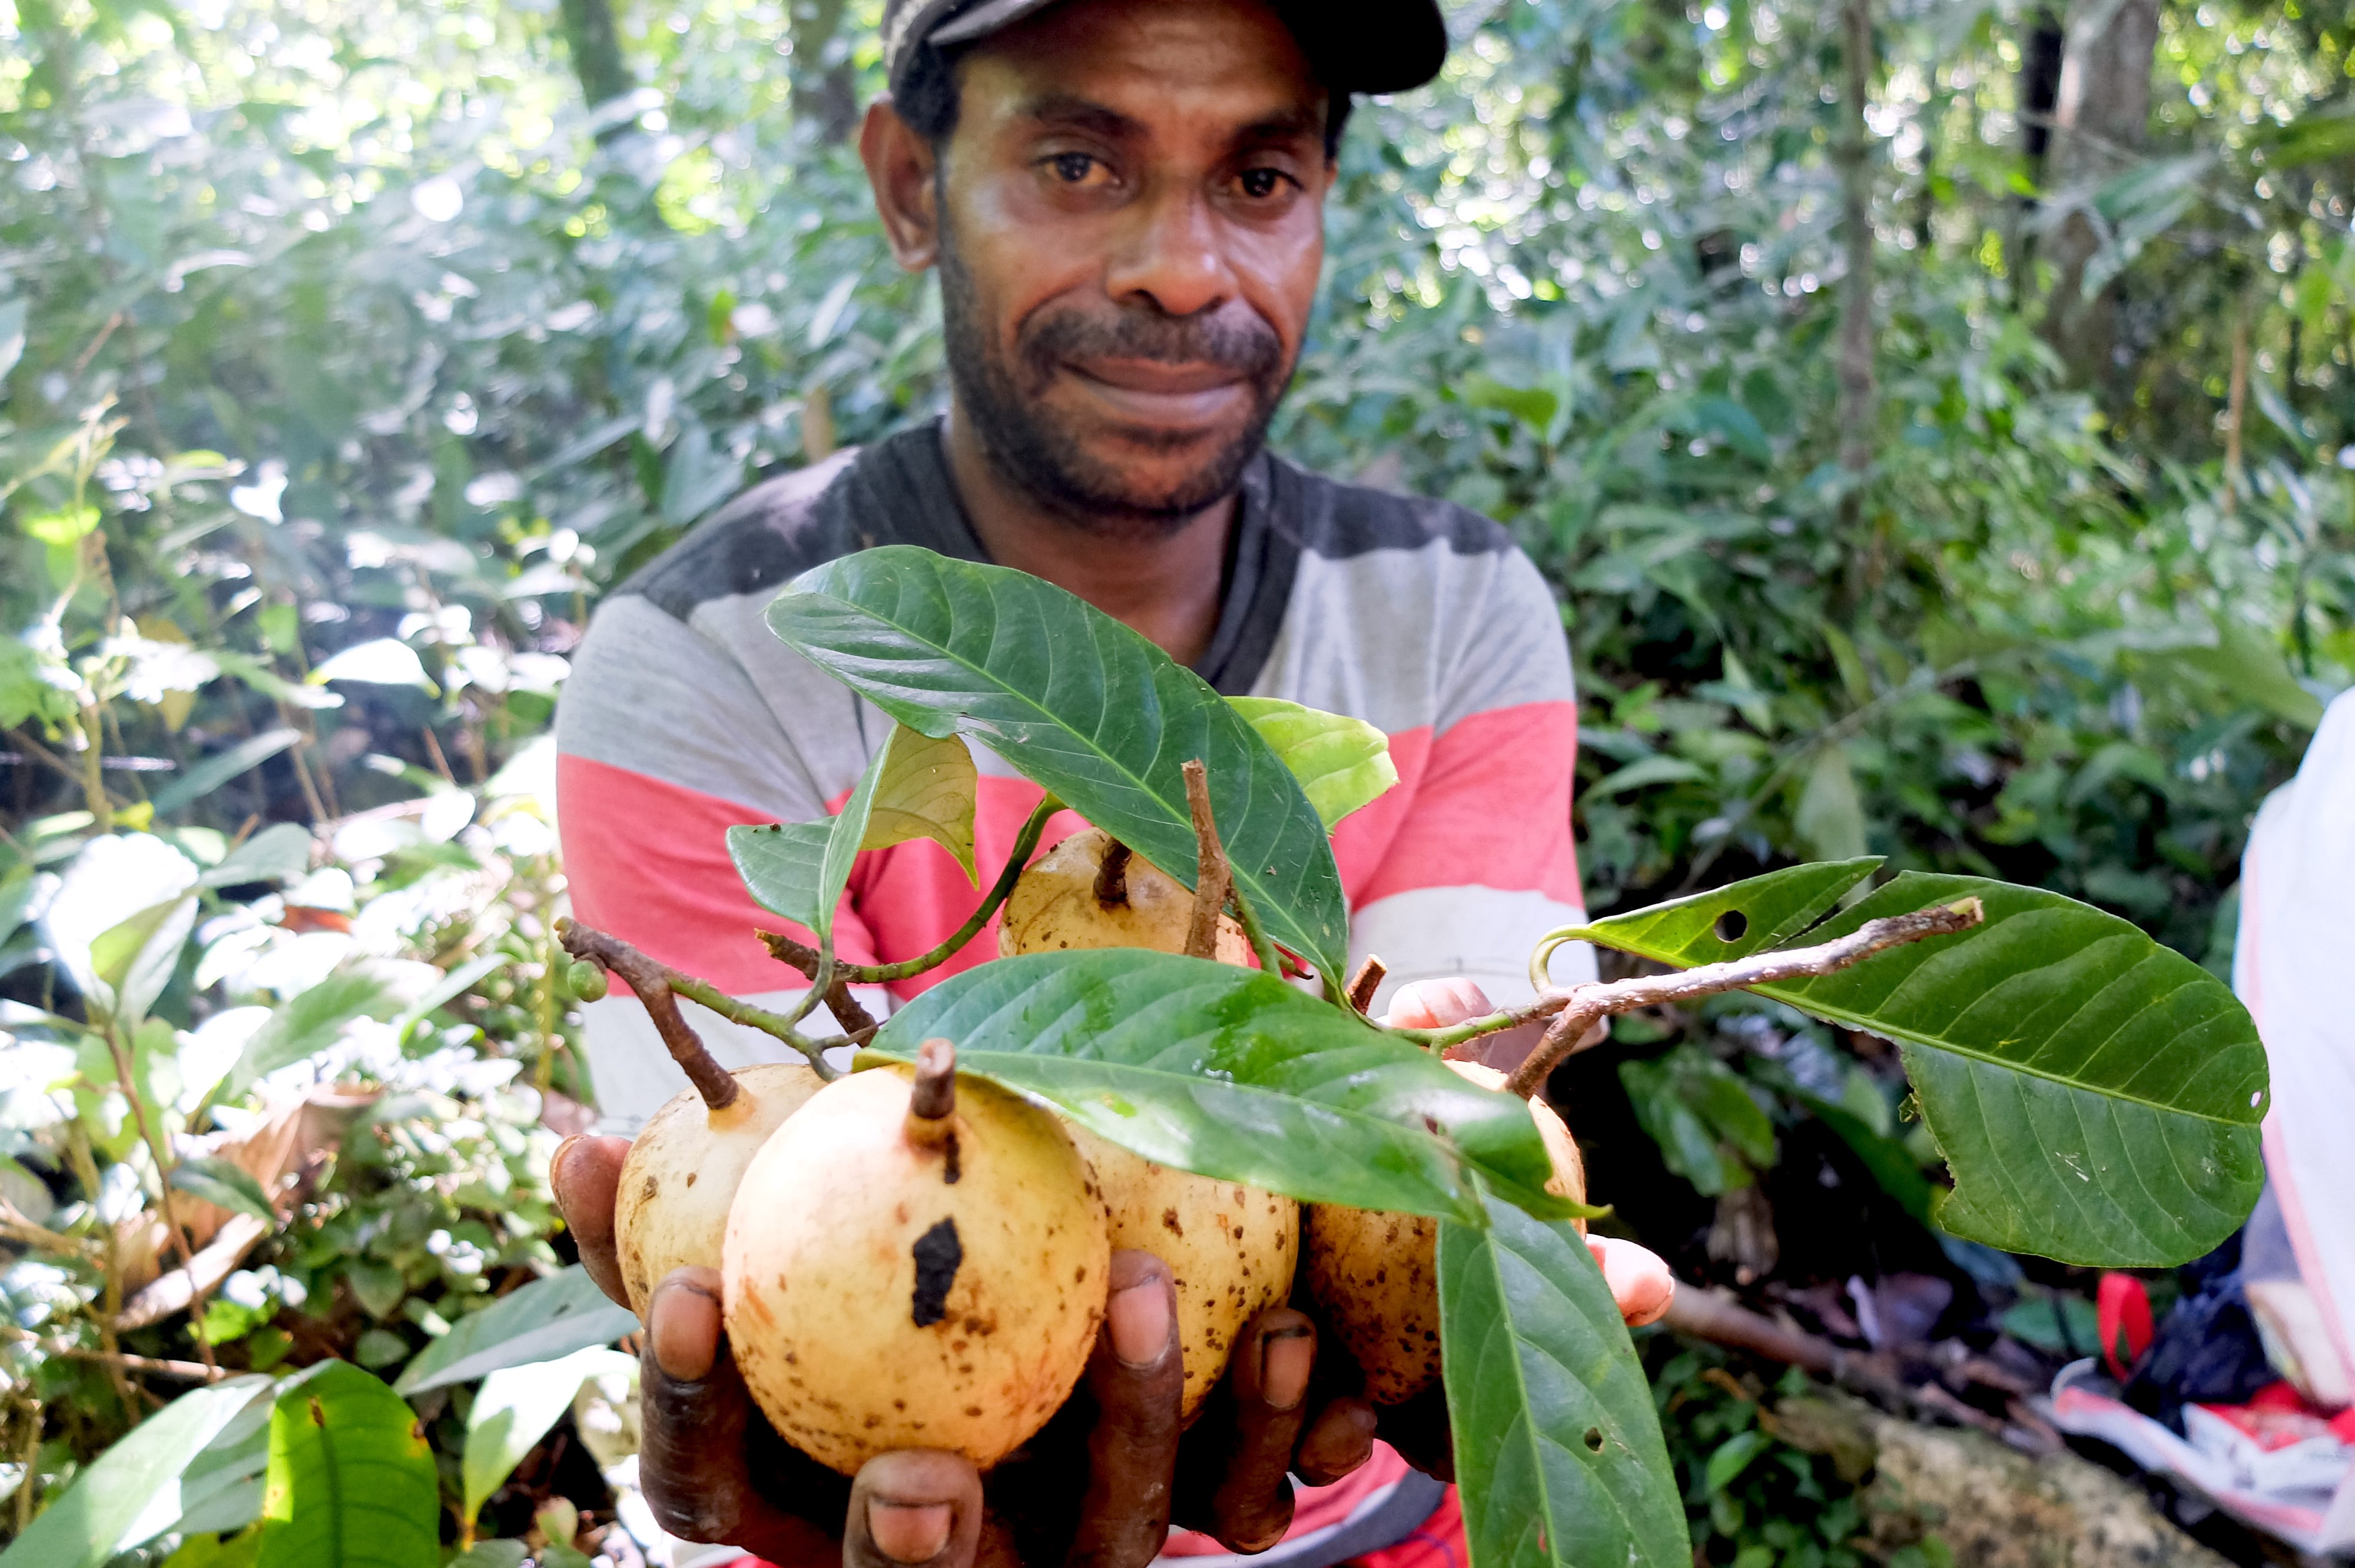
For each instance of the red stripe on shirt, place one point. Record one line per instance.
(1486, 803)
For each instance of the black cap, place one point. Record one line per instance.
(1370, 46)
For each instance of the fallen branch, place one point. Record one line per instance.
(1214, 879)
(657, 987)
(177, 1291)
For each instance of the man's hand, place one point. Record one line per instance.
(1639, 1281)
(1098, 1487)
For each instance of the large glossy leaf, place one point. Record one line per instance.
(1342, 763)
(351, 1481)
(2095, 1094)
(138, 1478)
(513, 1411)
(1234, 1074)
(546, 1318)
(1081, 704)
(846, 836)
(1558, 1453)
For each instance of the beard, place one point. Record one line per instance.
(1041, 451)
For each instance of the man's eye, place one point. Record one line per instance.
(1260, 183)
(1076, 168)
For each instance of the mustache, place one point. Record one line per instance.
(1236, 341)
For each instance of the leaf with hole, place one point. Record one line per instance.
(1232, 1074)
(2095, 1094)
(1342, 763)
(1079, 704)
(1559, 1457)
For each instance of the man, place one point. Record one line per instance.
(1123, 198)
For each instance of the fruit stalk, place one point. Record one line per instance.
(1214, 879)
(932, 1103)
(1576, 1010)
(657, 987)
(1365, 982)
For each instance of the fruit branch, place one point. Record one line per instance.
(658, 986)
(805, 960)
(1575, 1009)
(1214, 878)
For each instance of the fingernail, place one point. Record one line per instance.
(685, 1332)
(1140, 1323)
(907, 1532)
(1284, 1363)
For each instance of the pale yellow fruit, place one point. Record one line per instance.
(886, 1292)
(1054, 907)
(671, 1209)
(1376, 1276)
(1230, 1249)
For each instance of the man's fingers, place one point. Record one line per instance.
(695, 1464)
(1137, 1377)
(1640, 1283)
(586, 1173)
(919, 1506)
(1340, 1440)
(1436, 1003)
(1250, 1503)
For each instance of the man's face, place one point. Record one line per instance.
(1130, 236)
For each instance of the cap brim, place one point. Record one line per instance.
(1378, 46)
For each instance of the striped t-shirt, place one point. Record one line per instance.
(684, 717)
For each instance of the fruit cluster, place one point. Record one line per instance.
(914, 1259)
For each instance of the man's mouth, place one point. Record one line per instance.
(1159, 392)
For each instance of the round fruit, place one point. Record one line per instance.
(915, 1266)
(1067, 899)
(585, 980)
(1376, 1276)
(671, 1210)
(1230, 1249)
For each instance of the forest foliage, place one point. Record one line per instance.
(346, 355)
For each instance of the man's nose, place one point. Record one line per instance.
(1171, 253)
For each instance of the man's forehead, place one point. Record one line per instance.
(1112, 65)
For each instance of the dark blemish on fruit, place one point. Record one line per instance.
(691, 1177)
(938, 1255)
(646, 1193)
(950, 1169)
(1169, 1223)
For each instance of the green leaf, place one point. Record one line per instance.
(89, 1523)
(1342, 763)
(279, 853)
(546, 1318)
(314, 1019)
(1709, 1130)
(781, 865)
(351, 1482)
(449, 989)
(221, 767)
(1558, 1452)
(1731, 1458)
(1083, 706)
(926, 791)
(2095, 1094)
(135, 960)
(1829, 817)
(513, 1411)
(225, 1185)
(1726, 923)
(1234, 1074)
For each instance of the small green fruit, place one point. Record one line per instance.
(585, 980)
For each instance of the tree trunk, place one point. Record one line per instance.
(1859, 395)
(2101, 121)
(596, 47)
(825, 94)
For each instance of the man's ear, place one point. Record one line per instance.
(901, 168)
